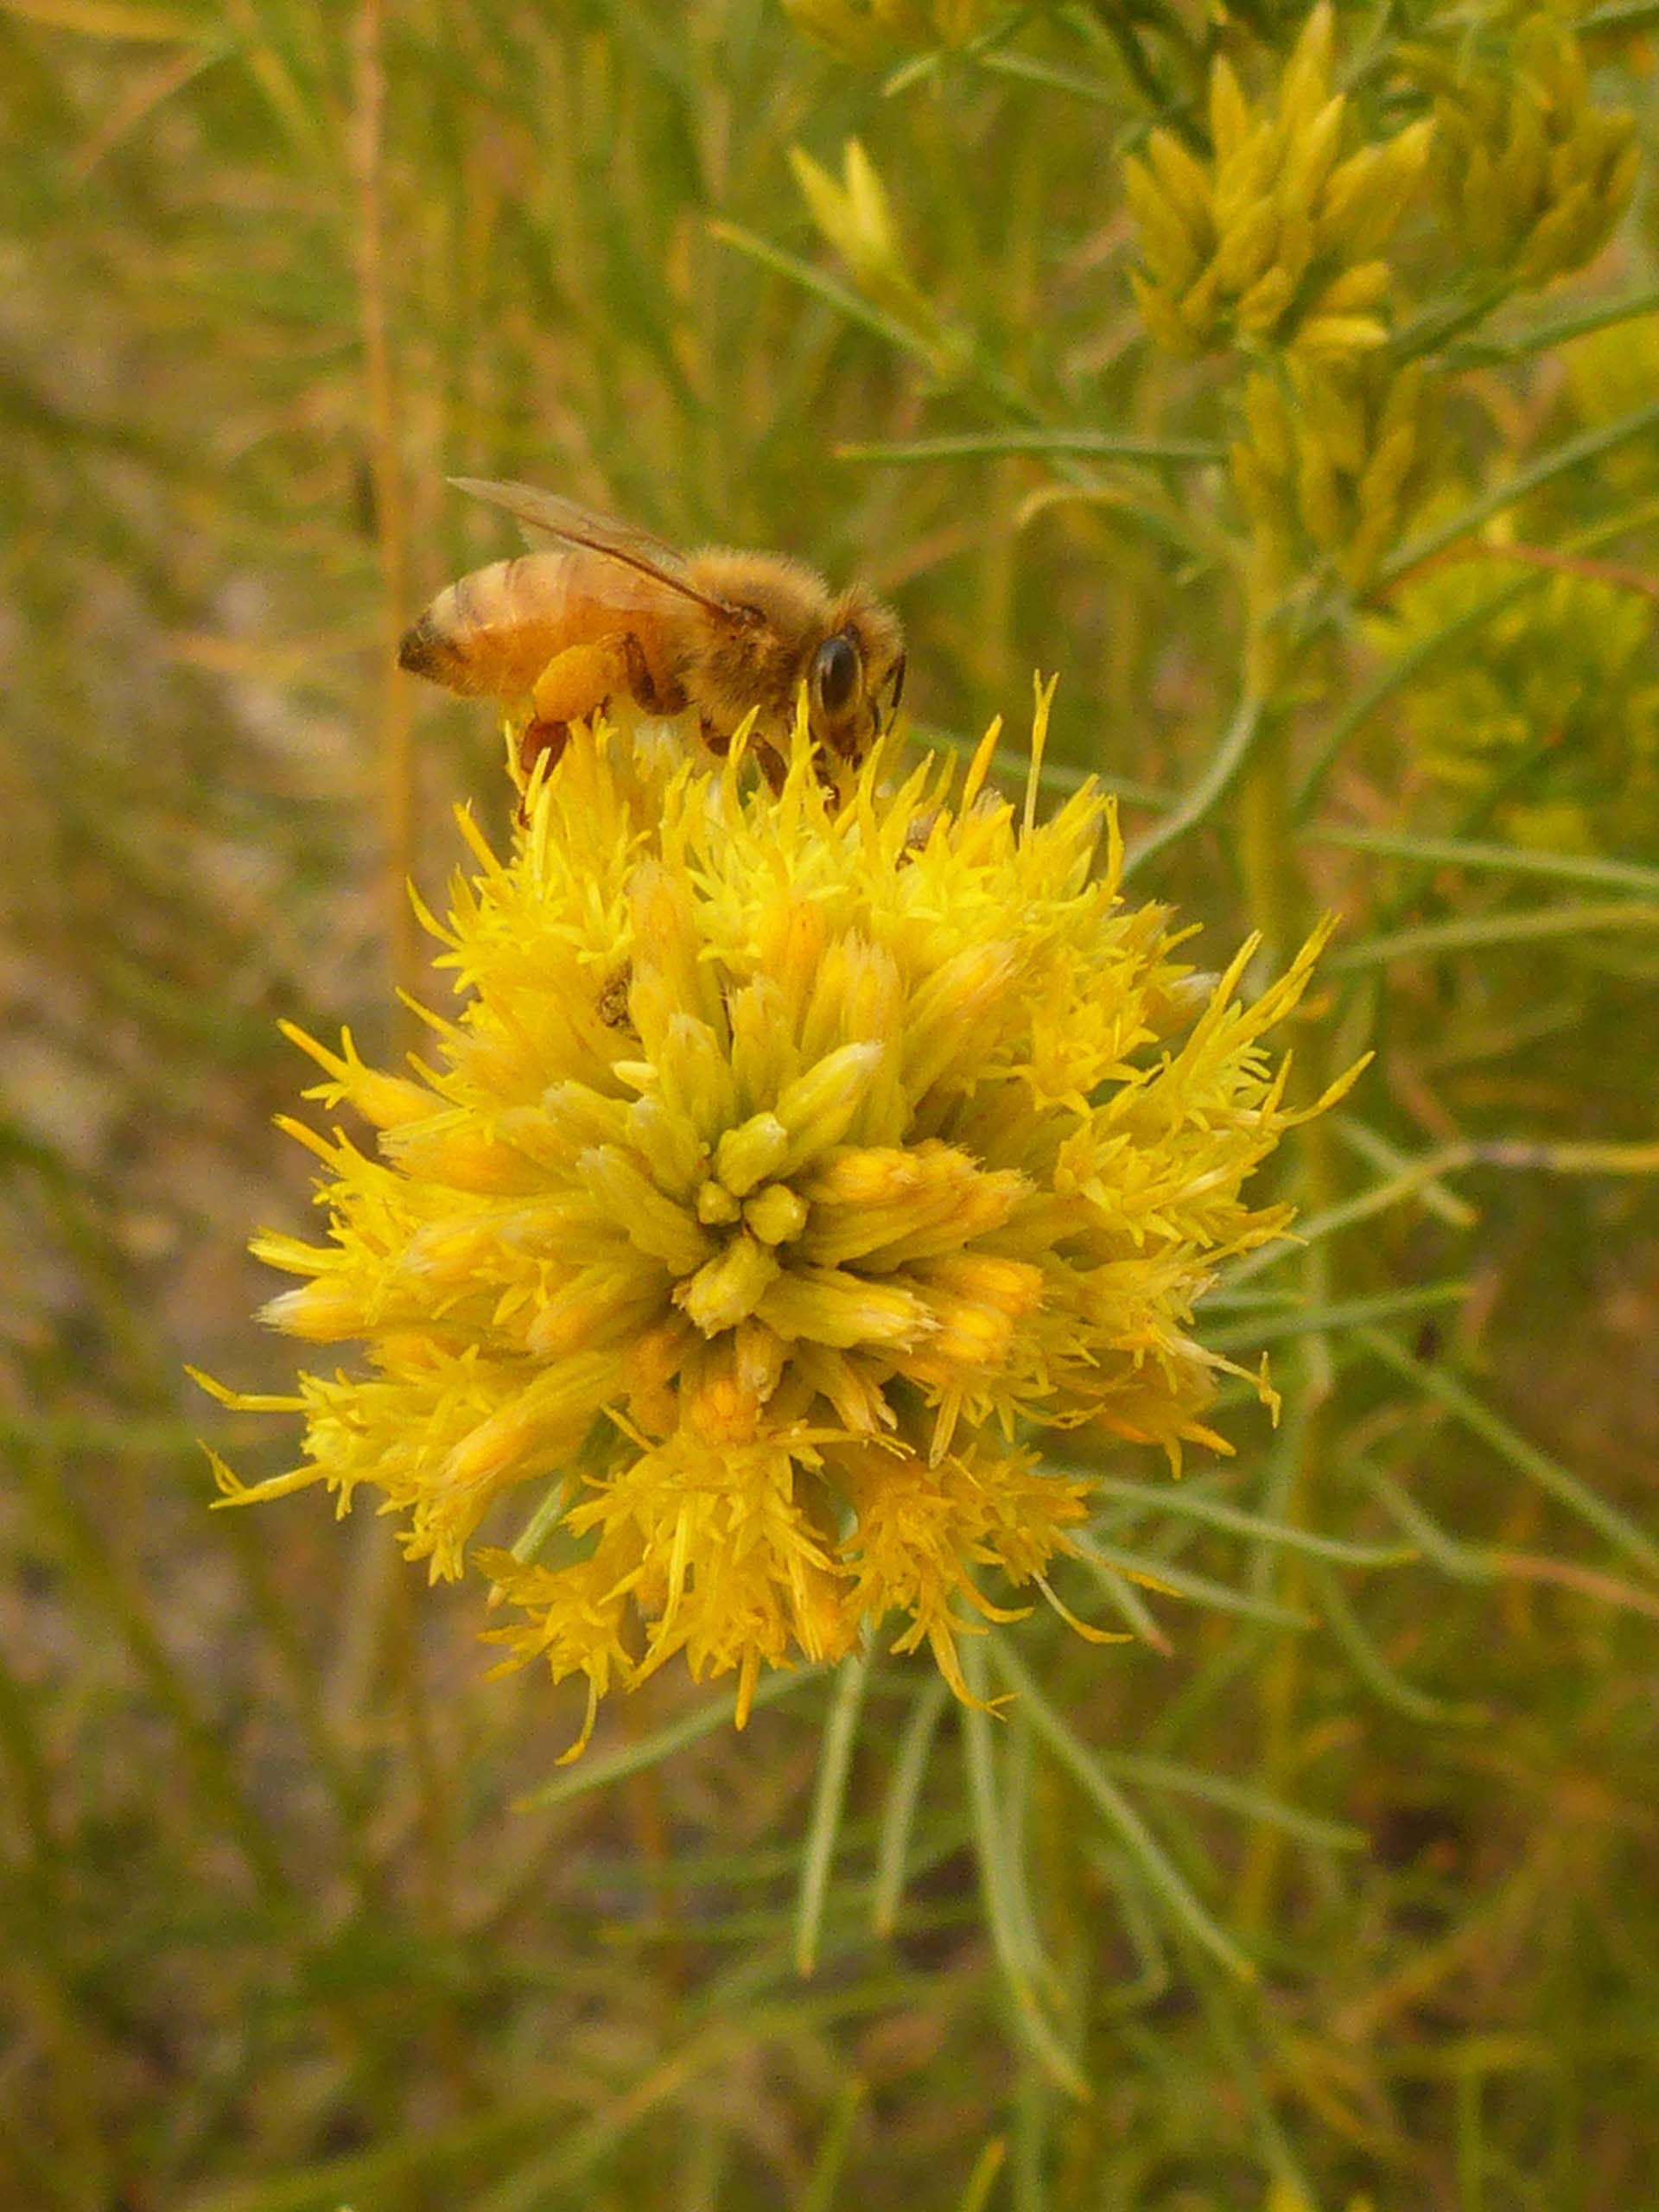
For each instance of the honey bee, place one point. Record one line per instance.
(610, 612)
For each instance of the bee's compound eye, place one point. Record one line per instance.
(834, 675)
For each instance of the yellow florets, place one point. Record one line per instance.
(794, 1164)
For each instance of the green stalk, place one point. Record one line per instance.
(1281, 908)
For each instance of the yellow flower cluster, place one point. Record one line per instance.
(1554, 723)
(1276, 239)
(1530, 176)
(794, 1163)
(1342, 452)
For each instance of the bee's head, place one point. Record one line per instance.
(857, 676)
(781, 629)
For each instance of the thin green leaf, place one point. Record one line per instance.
(1619, 17)
(1512, 859)
(1589, 446)
(1211, 787)
(1399, 672)
(1181, 1580)
(903, 1794)
(1140, 1931)
(1052, 76)
(597, 1773)
(410, 2159)
(982, 445)
(1131, 1607)
(541, 1523)
(1247, 2071)
(829, 1802)
(1559, 330)
(1470, 933)
(1001, 1878)
(1393, 676)
(1462, 1562)
(1522, 1455)
(102, 1576)
(1155, 1863)
(1179, 1499)
(830, 2164)
(1337, 1314)
(838, 295)
(1418, 1179)
(1236, 1796)
(1468, 300)
(1374, 1671)
(983, 2180)
(1377, 1151)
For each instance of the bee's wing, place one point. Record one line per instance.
(546, 514)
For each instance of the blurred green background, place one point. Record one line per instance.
(275, 1935)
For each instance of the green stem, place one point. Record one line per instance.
(1281, 908)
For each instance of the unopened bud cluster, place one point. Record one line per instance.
(1338, 453)
(1276, 239)
(1530, 176)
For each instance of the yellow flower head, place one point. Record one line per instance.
(795, 1163)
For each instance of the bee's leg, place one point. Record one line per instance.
(577, 682)
(642, 687)
(772, 764)
(539, 737)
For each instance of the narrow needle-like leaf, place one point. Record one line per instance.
(983, 2180)
(1196, 1507)
(1159, 1870)
(830, 2163)
(1339, 1313)
(828, 1800)
(1574, 453)
(1521, 1454)
(594, 1772)
(1183, 1583)
(903, 1794)
(1512, 859)
(983, 445)
(1374, 1671)
(1000, 1879)
(1470, 932)
(1211, 787)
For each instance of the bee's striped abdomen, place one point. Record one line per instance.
(475, 637)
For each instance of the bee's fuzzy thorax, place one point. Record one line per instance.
(731, 670)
